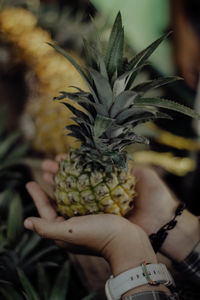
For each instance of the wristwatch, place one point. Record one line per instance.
(153, 274)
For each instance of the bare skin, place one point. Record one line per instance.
(123, 243)
(154, 207)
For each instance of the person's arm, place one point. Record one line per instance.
(123, 244)
(155, 206)
(190, 265)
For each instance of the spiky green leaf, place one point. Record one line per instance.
(135, 113)
(142, 56)
(143, 87)
(101, 124)
(88, 118)
(103, 88)
(114, 54)
(123, 101)
(81, 135)
(132, 138)
(168, 104)
(77, 67)
(120, 84)
(94, 58)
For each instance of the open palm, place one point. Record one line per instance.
(154, 204)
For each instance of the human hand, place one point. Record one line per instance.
(106, 235)
(154, 207)
(154, 204)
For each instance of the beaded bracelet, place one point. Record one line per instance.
(157, 239)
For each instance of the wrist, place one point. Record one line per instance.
(144, 278)
(182, 239)
(130, 250)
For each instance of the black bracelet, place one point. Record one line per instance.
(157, 239)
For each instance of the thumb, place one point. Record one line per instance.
(49, 229)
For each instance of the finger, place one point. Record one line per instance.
(61, 232)
(61, 156)
(50, 166)
(50, 229)
(49, 178)
(42, 202)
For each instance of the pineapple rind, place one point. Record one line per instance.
(81, 191)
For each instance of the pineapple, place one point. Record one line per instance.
(96, 178)
(48, 73)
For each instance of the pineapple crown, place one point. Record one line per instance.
(114, 106)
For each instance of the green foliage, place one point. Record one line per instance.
(15, 219)
(114, 54)
(43, 291)
(23, 254)
(12, 169)
(114, 106)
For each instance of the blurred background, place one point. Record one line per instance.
(32, 125)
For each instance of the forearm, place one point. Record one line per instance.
(183, 238)
(127, 257)
(190, 265)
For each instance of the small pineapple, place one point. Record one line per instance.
(96, 178)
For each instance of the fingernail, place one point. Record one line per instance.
(28, 224)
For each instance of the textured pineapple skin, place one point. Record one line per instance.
(81, 191)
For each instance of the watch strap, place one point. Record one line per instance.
(119, 285)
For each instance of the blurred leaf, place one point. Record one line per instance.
(30, 245)
(61, 285)
(43, 283)
(7, 143)
(28, 288)
(22, 243)
(19, 152)
(10, 293)
(5, 198)
(39, 255)
(15, 219)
